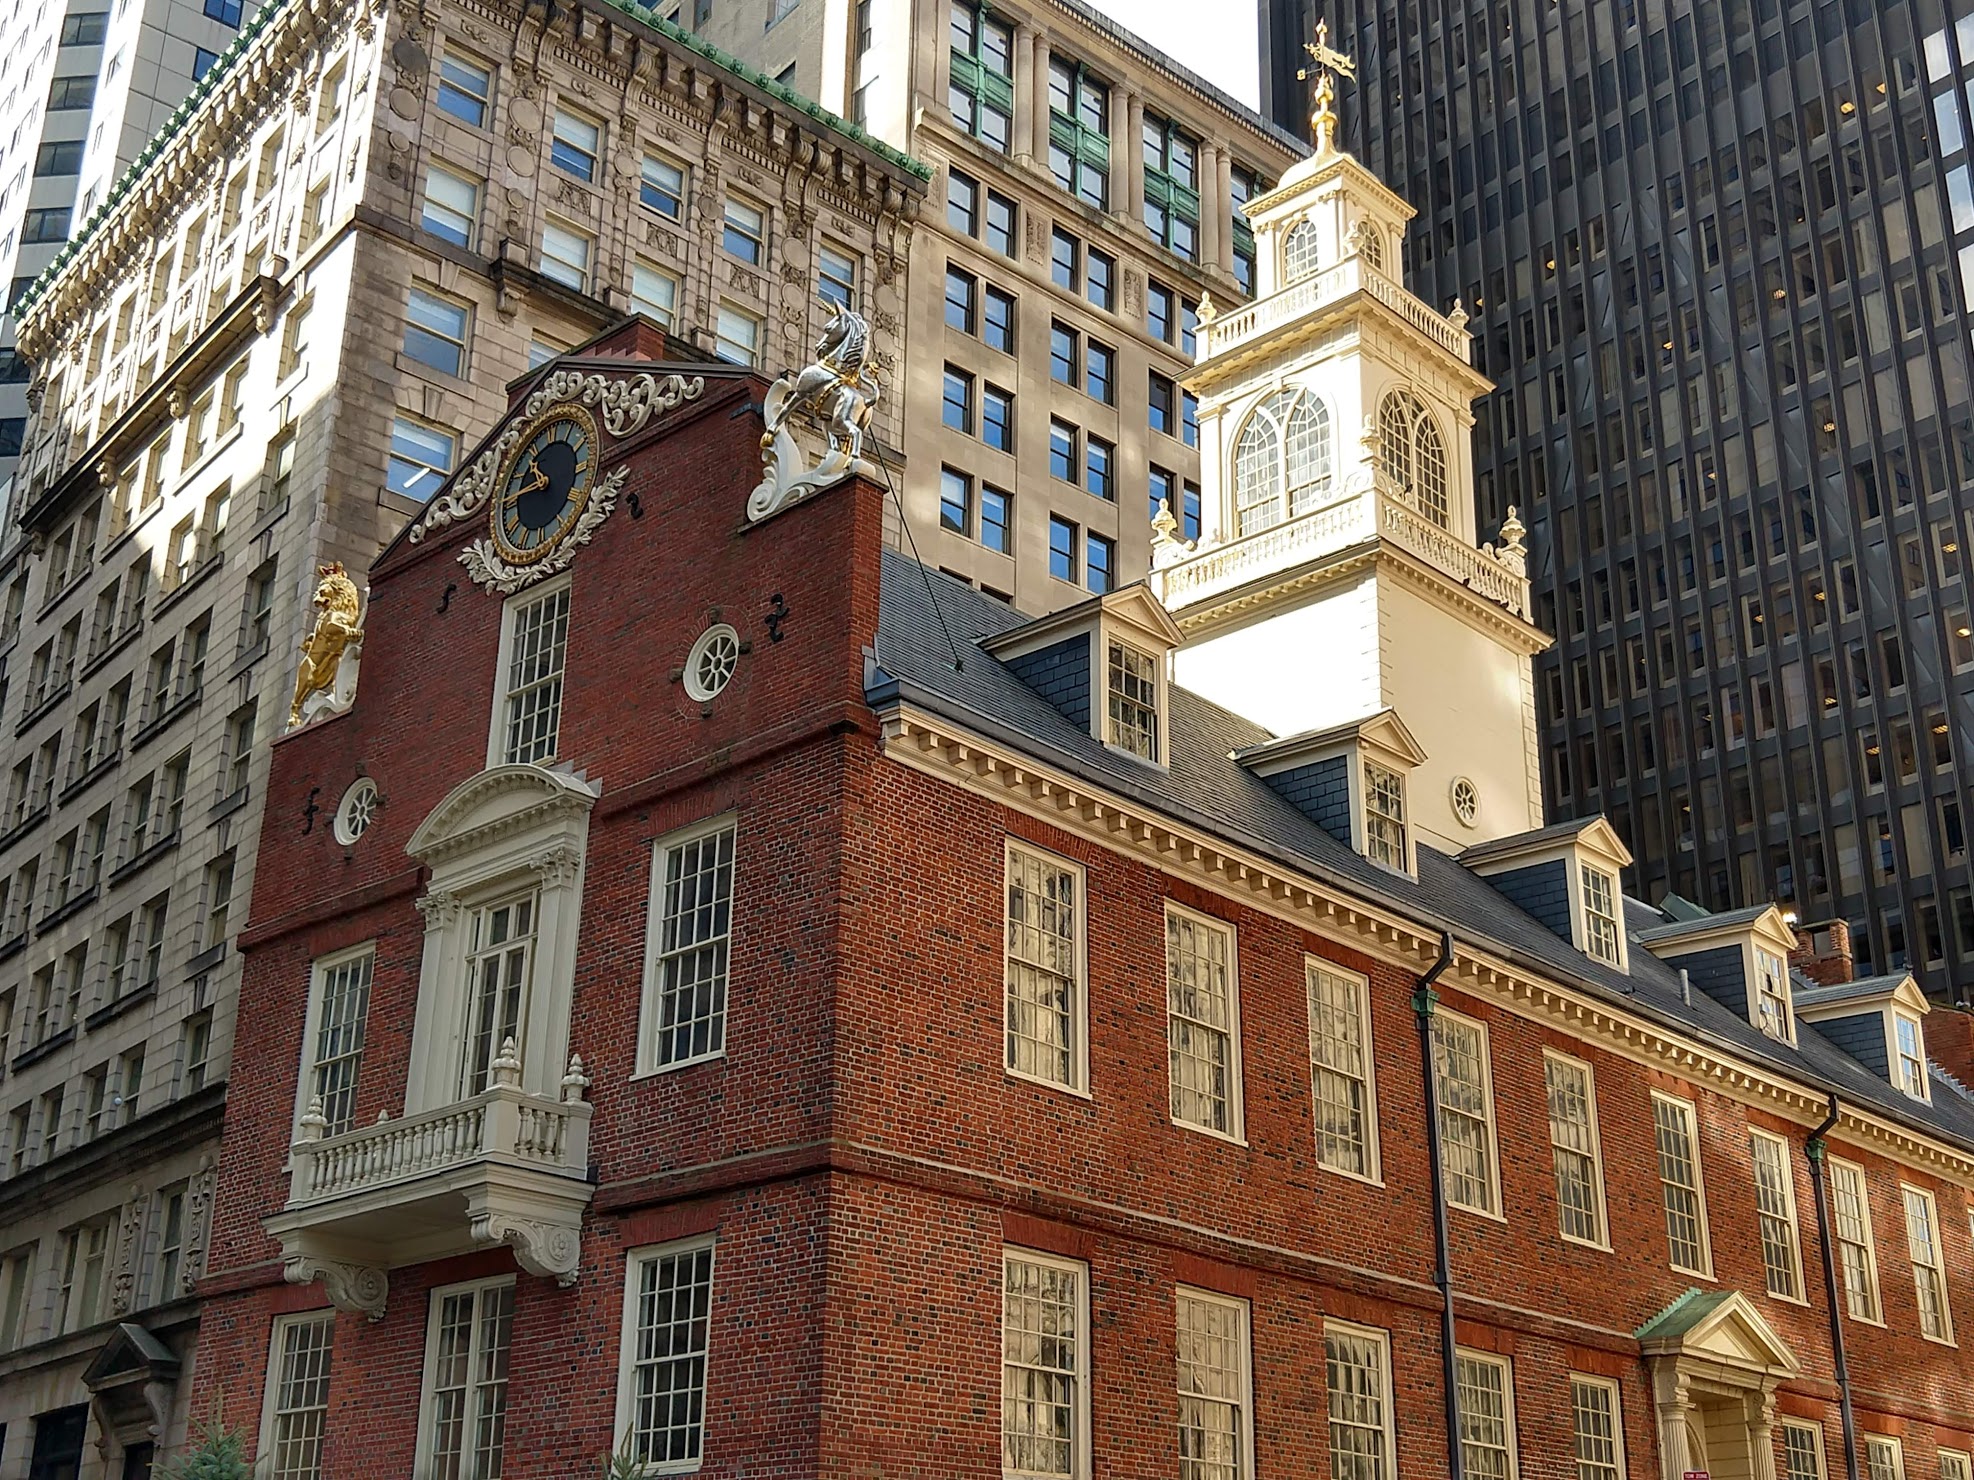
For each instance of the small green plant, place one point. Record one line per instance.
(218, 1453)
(624, 1464)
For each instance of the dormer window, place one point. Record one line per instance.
(1601, 935)
(1909, 1058)
(1384, 817)
(1772, 1014)
(1131, 694)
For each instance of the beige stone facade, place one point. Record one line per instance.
(906, 69)
(301, 309)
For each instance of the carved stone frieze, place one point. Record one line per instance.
(198, 1227)
(123, 1278)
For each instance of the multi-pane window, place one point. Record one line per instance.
(1574, 1149)
(1384, 817)
(1412, 454)
(1802, 1452)
(420, 458)
(435, 332)
(962, 203)
(1171, 186)
(171, 1244)
(981, 92)
(836, 276)
(1340, 1069)
(1929, 1274)
(1600, 915)
(575, 145)
(654, 293)
(737, 336)
(335, 1039)
(298, 1396)
(1775, 1211)
(1002, 220)
(691, 923)
(1214, 1404)
(997, 418)
(1466, 1112)
(661, 187)
(1045, 1358)
(499, 965)
(1079, 132)
(1680, 1187)
(1956, 1464)
(16, 1287)
(537, 648)
(956, 400)
(997, 320)
(1203, 1043)
(1910, 1056)
(1062, 548)
(1884, 1459)
(452, 206)
(464, 88)
(1599, 1437)
(85, 1267)
(995, 519)
(1850, 1206)
(962, 300)
(1283, 463)
(565, 256)
(1131, 698)
(955, 501)
(1357, 1366)
(1487, 1416)
(743, 232)
(1044, 968)
(661, 1404)
(463, 1432)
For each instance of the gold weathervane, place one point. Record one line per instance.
(1330, 65)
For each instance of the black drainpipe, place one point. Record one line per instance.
(1813, 1149)
(1423, 1003)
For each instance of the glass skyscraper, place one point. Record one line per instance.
(1718, 258)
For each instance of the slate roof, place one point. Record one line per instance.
(1817, 994)
(1208, 790)
(1726, 919)
(1516, 842)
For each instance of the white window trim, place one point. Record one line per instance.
(1893, 1016)
(1751, 952)
(1080, 1461)
(1596, 1154)
(1244, 1313)
(1580, 910)
(627, 1343)
(1966, 1460)
(1870, 1244)
(1374, 1147)
(1360, 808)
(1079, 1084)
(1801, 1297)
(276, 1333)
(1894, 1444)
(1236, 1131)
(1610, 1386)
(497, 721)
(1132, 638)
(1699, 1189)
(1506, 1367)
(647, 1066)
(1487, 1099)
(318, 969)
(1815, 1431)
(1939, 1266)
(1382, 1340)
(435, 1303)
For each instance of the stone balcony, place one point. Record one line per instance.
(501, 1167)
(1376, 510)
(1323, 291)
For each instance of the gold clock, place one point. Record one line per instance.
(546, 486)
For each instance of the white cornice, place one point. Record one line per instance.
(929, 743)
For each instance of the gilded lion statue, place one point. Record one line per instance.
(337, 608)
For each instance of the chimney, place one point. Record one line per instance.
(1823, 952)
(1950, 1041)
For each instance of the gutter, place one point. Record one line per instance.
(1813, 1151)
(1423, 1003)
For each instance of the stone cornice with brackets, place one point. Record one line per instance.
(926, 741)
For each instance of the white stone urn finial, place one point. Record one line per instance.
(505, 1070)
(575, 1081)
(314, 1122)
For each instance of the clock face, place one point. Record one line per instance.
(546, 487)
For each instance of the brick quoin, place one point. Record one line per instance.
(860, 1154)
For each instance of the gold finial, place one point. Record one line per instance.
(1330, 65)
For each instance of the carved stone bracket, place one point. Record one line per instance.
(352, 1287)
(553, 1250)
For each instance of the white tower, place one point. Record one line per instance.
(1339, 573)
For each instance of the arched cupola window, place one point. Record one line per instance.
(1411, 454)
(1282, 460)
(1373, 245)
(1299, 251)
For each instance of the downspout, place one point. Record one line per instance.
(1813, 1149)
(1423, 1003)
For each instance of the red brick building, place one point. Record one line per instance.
(744, 999)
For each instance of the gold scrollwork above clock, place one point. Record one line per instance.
(548, 501)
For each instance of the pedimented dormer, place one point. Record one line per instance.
(1880, 1022)
(1350, 781)
(1104, 664)
(1566, 877)
(1740, 959)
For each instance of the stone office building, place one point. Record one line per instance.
(1089, 198)
(262, 357)
(816, 1020)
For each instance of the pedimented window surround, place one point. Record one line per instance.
(499, 833)
(1351, 781)
(1547, 871)
(1729, 956)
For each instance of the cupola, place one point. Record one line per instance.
(1880, 1022)
(1565, 876)
(1104, 665)
(1350, 780)
(1740, 959)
